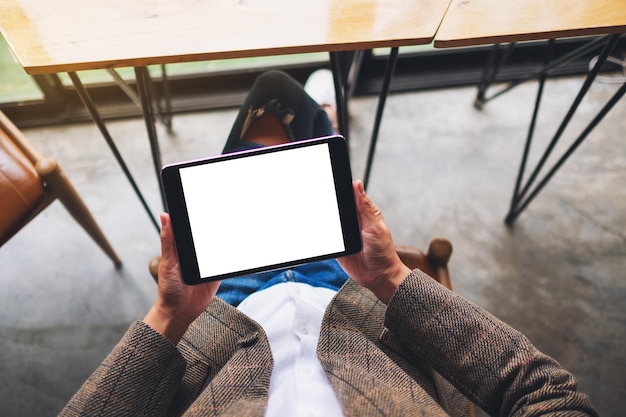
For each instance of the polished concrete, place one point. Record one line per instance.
(442, 169)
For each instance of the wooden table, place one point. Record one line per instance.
(480, 22)
(74, 35)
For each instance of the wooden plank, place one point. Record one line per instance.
(478, 22)
(72, 35)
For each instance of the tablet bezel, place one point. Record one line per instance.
(177, 208)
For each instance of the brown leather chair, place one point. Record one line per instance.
(434, 262)
(29, 183)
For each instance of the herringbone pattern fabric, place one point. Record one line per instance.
(493, 364)
(381, 361)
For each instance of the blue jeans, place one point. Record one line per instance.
(276, 93)
(326, 274)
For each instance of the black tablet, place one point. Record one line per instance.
(264, 209)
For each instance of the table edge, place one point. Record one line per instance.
(534, 36)
(208, 56)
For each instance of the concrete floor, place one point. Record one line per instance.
(442, 169)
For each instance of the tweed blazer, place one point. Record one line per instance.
(393, 360)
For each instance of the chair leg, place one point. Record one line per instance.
(54, 176)
(434, 262)
(439, 252)
(153, 267)
(416, 259)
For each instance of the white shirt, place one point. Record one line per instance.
(291, 314)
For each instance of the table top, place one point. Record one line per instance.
(73, 35)
(478, 22)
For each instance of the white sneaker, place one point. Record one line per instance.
(320, 86)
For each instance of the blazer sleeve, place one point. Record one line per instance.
(138, 378)
(494, 365)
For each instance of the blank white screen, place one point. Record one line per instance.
(262, 210)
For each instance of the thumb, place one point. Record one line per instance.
(369, 213)
(168, 249)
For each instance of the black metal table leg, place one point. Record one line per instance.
(519, 202)
(166, 114)
(490, 72)
(516, 211)
(341, 95)
(531, 128)
(143, 87)
(578, 52)
(382, 99)
(353, 71)
(130, 93)
(90, 107)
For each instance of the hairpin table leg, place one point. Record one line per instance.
(91, 109)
